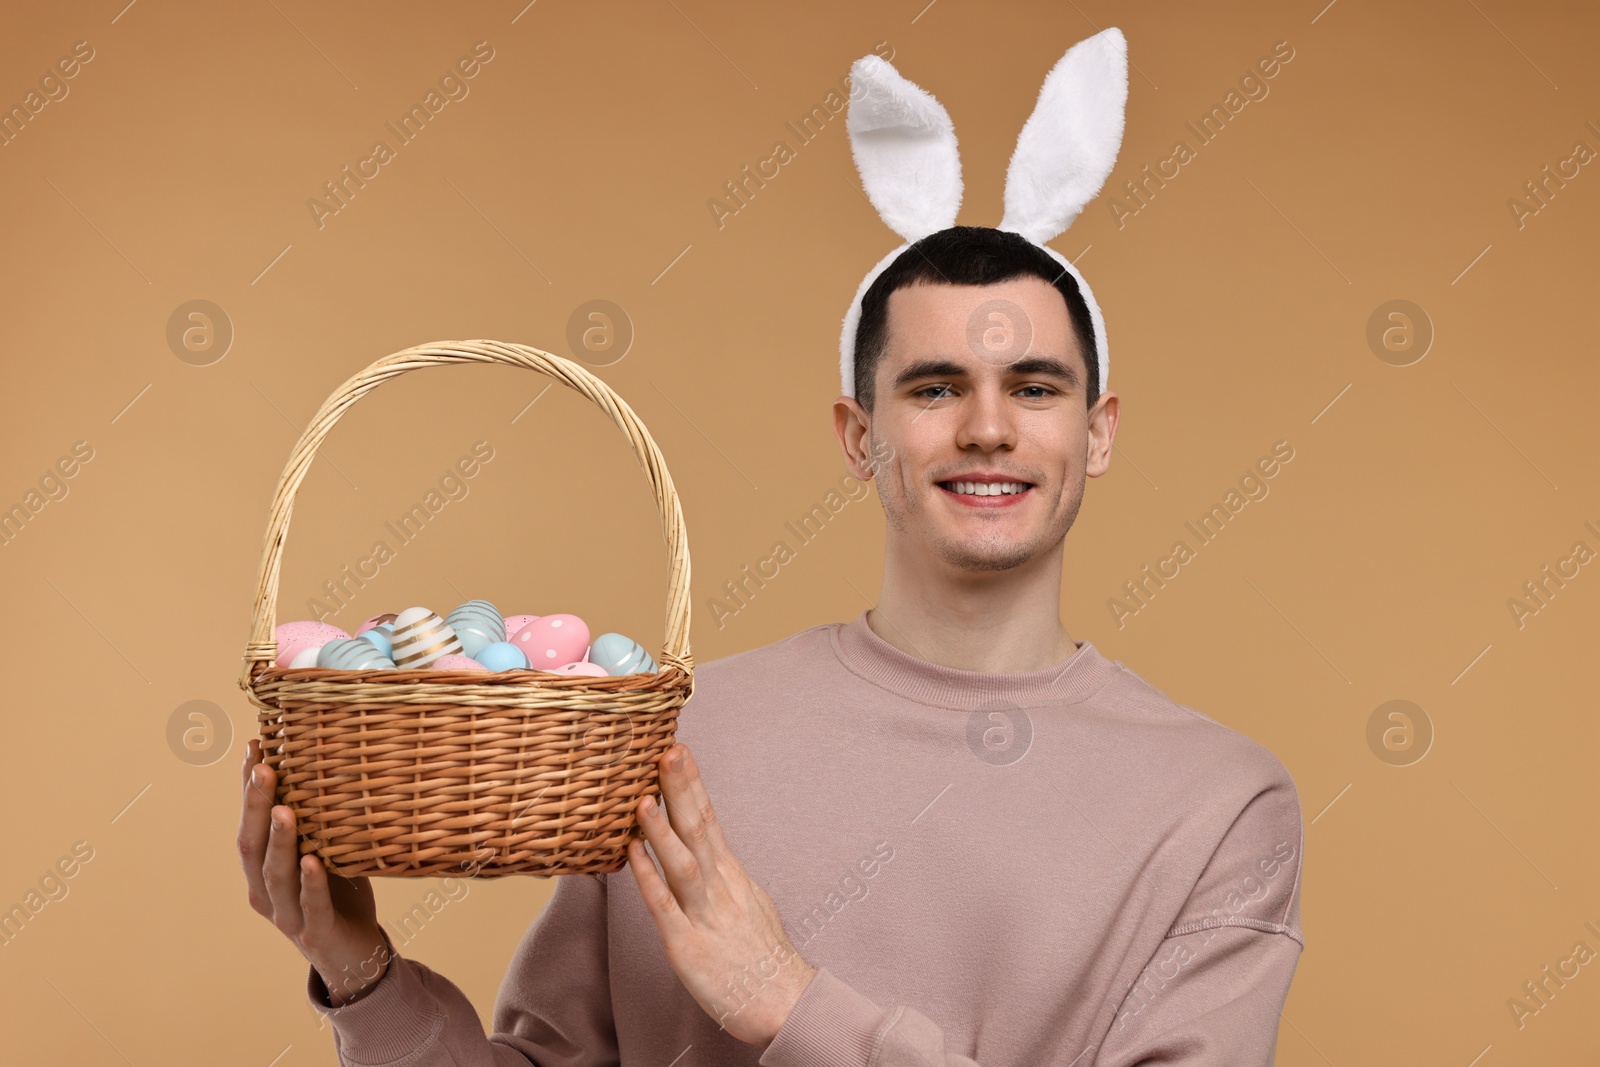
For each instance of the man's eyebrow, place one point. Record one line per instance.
(944, 368)
(1049, 366)
(929, 368)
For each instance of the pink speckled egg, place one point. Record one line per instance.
(553, 640)
(582, 668)
(375, 621)
(292, 637)
(515, 624)
(456, 662)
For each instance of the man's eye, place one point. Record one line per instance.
(942, 391)
(1045, 388)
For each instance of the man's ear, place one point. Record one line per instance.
(852, 425)
(1103, 418)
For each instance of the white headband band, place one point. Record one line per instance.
(905, 148)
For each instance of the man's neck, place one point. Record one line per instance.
(997, 623)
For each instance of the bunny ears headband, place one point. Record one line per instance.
(905, 148)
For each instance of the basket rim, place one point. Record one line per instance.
(516, 678)
(383, 682)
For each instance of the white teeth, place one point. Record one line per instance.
(988, 488)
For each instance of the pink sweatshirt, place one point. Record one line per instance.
(1059, 866)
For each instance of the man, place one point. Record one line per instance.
(943, 833)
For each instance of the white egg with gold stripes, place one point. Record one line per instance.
(420, 637)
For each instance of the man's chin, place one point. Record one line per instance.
(985, 557)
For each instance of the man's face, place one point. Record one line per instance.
(984, 382)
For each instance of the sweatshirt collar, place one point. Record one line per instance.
(866, 654)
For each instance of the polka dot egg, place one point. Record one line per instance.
(553, 640)
(515, 624)
(582, 668)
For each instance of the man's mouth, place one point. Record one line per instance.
(985, 489)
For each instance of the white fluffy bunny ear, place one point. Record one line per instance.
(1069, 144)
(905, 148)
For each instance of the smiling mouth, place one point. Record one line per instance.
(980, 489)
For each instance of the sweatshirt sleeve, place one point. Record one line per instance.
(834, 1025)
(1213, 991)
(553, 1008)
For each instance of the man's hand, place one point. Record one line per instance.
(333, 921)
(721, 931)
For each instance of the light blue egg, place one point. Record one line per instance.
(620, 655)
(353, 654)
(379, 639)
(501, 656)
(477, 623)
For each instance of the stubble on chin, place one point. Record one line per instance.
(1002, 557)
(985, 554)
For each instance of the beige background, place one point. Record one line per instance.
(580, 166)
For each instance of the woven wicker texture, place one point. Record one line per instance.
(417, 773)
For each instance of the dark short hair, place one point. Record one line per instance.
(965, 255)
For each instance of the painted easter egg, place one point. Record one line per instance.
(307, 657)
(582, 668)
(515, 624)
(477, 623)
(353, 654)
(379, 638)
(455, 662)
(501, 656)
(420, 637)
(553, 640)
(374, 621)
(620, 655)
(294, 636)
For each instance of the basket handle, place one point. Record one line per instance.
(262, 648)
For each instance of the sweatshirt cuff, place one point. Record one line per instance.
(393, 1019)
(831, 1025)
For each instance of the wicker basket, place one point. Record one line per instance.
(419, 773)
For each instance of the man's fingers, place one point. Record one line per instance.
(658, 897)
(682, 869)
(282, 872)
(253, 833)
(689, 806)
(268, 846)
(316, 903)
(252, 756)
